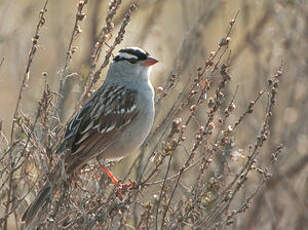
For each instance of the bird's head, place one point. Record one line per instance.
(133, 61)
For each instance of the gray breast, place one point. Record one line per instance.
(134, 134)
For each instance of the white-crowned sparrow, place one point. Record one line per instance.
(113, 123)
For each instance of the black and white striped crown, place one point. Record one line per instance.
(131, 54)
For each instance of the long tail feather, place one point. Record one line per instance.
(37, 203)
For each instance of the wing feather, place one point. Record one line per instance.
(98, 124)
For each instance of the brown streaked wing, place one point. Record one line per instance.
(107, 114)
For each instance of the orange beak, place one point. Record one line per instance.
(150, 61)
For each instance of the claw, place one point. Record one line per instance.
(121, 188)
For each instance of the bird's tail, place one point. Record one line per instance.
(39, 201)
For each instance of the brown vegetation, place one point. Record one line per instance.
(229, 146)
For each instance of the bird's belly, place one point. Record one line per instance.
(130, 140)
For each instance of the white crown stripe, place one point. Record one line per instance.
(127, 56)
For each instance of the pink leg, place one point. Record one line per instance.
(122, 188)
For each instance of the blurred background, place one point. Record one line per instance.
(181, 34)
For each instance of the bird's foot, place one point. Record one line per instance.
(121, 188)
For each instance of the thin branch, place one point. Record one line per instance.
(28, 67)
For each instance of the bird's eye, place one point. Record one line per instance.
(132, 60)
(117, 58)
(122, 58)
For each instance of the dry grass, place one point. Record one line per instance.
(228, 148)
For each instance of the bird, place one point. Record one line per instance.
(113, 122)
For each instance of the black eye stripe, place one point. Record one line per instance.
(131, 60)
(139, 53)
(132, 55)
